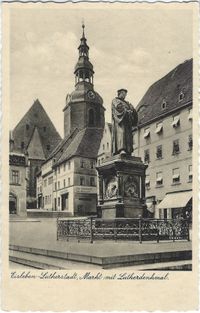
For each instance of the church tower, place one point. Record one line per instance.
(84, 106)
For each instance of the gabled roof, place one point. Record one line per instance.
(36, 117)
(35, 149)
(168, 90)
(84, 143)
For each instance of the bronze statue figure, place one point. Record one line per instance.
(124, 118)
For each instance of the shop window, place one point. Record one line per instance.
(146, 156)
(176, 147)
(175, 176)
(159, 179)
(190, 142)
(159, 152)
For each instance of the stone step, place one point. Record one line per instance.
(44, 262)
(106, 261)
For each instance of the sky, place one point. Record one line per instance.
(130, 48)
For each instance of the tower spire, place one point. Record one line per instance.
(84, 68)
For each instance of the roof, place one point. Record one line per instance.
(175, 200)
(84, 143)
(36, 117)
(168, 90)
(35, 149)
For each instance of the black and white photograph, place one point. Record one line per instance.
(101, 126)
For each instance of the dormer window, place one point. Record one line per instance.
(159, 128)
(164, 105)
(147, 133)
(176, 121)
(181, 96)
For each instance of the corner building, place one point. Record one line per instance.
(68, 178)
(164, 141)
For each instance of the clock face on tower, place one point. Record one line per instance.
(91, 94)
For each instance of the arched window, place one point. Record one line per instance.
(91, 117)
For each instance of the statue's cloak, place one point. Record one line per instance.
(124, 118)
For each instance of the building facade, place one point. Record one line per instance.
(36, 136)
(163, 139)
(105, 145)
(68, 177)
(17, 182)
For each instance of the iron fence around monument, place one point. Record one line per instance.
(133, 229)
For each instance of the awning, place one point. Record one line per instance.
(176, 121)
(190, 115)
(175, 200)
(150, 207)
(147, 133)
(159, 129)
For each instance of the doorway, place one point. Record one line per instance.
(12, 204)
(64, 202)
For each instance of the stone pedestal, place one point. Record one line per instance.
(121, 187)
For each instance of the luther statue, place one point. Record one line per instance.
(124, 119)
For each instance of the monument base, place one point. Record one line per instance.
(121, 187)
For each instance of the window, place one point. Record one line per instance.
(82, 163)
(176, 148)
(102, 159)
(181, 96)
(82, 181)
(64, 184)
(92, 164)
(48, 147)
(107, 145)
(175, 175)
(176, 121)
(58, 201)
(190, 176)
(15, 177)
(69, 181)
(190, 115)
(45, 182)
(146, 156)
(103, 147)
(58, 185)
(159, 152)
(190, 142)
(27, 126)
(146, 132)
(50, 180)
(159, 179)
(147, 182)
(159, 128)
(69, 165)
(99, 162)
(55, 186)
(92, 181)
(163, 105)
